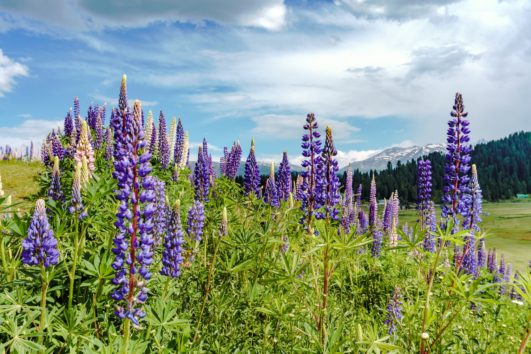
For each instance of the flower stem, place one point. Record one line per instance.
(44, 290)
(127, 326)
(72, 273)
(526, 337)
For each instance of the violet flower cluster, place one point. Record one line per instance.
(55, 192)
(327, 181)
(284, 178)
(394, 311)
(456, 199)
(133, 242)
(311, 152)
(201, 176)
(160, 216)
(251, 177)
(271, 191)
(76, 202)
(231, 161)
(173, 240)
(196, 221)
(178, 152)
(164, 147)
(68, 125)
(40, 245)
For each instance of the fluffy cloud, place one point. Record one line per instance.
(9, 71)
(29, 130)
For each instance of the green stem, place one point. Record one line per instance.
(207, 292)
(44, 290)
(526, 336)
(72, 273)
(127, 325)
(3, 255)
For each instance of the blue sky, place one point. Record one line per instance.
(381, 73)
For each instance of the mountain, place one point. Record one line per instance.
(393, 155)
(263, 166)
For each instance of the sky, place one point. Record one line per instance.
(381, 73)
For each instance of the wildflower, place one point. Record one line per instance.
(98, 131)
(55, 192)
(224, 225)
(76, 203)
(201, 177)
(154, 142)
(133, 242)
(196, 221)
(327, 182)
(40, 245)
(271, 192)
(394, 310)
(179, 143)
(373, 204)
(68, 125)
(251, 178)
(109, 151)
(482, 254)
(232, 160)
(160, 215)
(456, 189)
(476, 200)
(164, 149)
(173, 240)
(172, 138)
(148, 127)
(84, 149)
(311, 150)
(284, 178)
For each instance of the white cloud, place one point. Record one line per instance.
(9, 71)
(29, 130)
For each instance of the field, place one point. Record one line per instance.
(18, 179)
(507, 227)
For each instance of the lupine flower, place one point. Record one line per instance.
(476, 200)
(424, 186)
(363, 222)
(84, 149)
(223, 161)
(78, 123)
(373, 204)
(271, 192)
(154, 142)
(514, 294)
(201, 177)
(133, 242)
(164, 149)
(348, 216)
(172, 255)
(149, 127)
(179, 143)
(102, 114)
(68, 125)
(208, 161)
(122, 99)
(98, 131)
(196, 221)
(327, 182)
(175, 173)
(358, 197)
(491, 261)
(160, 216)
(394, 311)
(40, 245)
(232, 163)
(172, 138)
(76, 203)
(55, 192)
(387, 214)
(498, 276)
(311, 151)
(186, 152)
(284, 178)
(470, 262)
(251, 178)
(377, 240)
(456, 189)
(57, 147)
(394, 204)
(482, 254)
(109, 151)
(77, 112)
(224, 225)
(430, 223)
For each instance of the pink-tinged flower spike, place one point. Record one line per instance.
(164, 148)
(395, 207)
(172, 138)
(84, 149)
(40, 245)
(68, 124)
(148, 128)
(172, 255)
(251, 177)
(284, 178)
(271, 192)
(55, 191)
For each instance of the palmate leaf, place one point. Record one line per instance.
(21, 338)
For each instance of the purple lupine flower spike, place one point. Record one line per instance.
(201, 176)
(164, 148)
(251, 178)
(482, 254)
(284, 178)
(196, 221)
(394, 311)
(98, 131)
(40, 245)
(179, 143)
(55, 192)
(327, 182)
(76, 202)
(373, 204)
(153, 144)
(173, 240)
(57, 147)
(133, 242)
(109, 148)
(233, 161)
(492, 263)
(68, 124)
(476, 203)
(77, 111)
(387, 214)
(271, 192)
(470, 262)
(358, 197)
(377, 240)
(456, 189)
(311, 151)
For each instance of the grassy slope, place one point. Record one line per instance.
(508, 225)
(18, 179)
(508, 229)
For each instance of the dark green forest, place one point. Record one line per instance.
(504, 169)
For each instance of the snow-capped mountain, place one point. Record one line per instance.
(393, 155)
